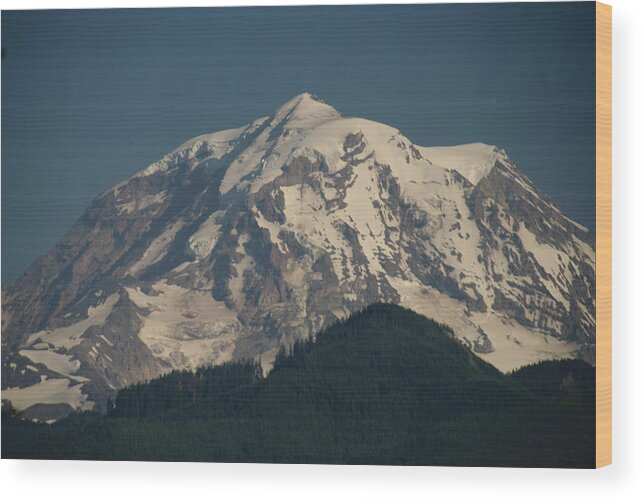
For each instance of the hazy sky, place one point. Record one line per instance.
(90, 97)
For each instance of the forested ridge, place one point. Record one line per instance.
(385, 386)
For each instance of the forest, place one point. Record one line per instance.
(384, 386)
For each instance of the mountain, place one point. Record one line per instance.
(245, 240)
(385, 386)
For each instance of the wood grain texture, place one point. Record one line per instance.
(603, 235)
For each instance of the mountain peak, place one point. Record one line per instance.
(305, 107)
(251, 238)
(473, 161)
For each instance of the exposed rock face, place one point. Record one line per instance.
(243, 240)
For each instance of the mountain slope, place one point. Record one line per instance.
(244, 240)
(386, 386)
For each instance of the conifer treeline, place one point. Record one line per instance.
(385, 386)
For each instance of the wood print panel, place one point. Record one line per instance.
(603, 234)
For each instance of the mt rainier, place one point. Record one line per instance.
(241, 241)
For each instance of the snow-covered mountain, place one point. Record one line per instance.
(243, 240)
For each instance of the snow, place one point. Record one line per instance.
(514, 345)
(365, 220)
(185, 327)
(188, 327)
(63, 364)
(317, 230)
(587, 250)
(473, 161)
(550, 259)
(106, 340)
(219, 143)
(579, 226)
(244, 263)
(273, 229)
(462, 246)
(158, 248)
(203, 241)
(263, 159)
(48, 348)
(69, 336)
(49, 391)
(248, 161)
(221, 138)
(304, 111)
(316, 130)
(426, 181)
(141, 203)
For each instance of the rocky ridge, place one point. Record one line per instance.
(240, 241)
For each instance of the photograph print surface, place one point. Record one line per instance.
(348, 235)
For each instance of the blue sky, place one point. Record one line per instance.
(90, 97)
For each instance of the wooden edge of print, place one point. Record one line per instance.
(603, 235)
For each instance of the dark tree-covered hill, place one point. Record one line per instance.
(385, 386)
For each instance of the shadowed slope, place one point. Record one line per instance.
(385, 386)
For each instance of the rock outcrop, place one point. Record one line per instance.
(244, 240)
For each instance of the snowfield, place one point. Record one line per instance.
(243, 240)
